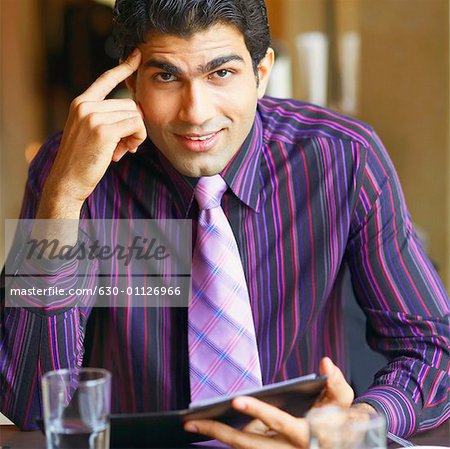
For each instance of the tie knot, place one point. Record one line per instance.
(209, 191)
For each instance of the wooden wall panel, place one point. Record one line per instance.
(405, 95)
(403, 92)
(22, 99)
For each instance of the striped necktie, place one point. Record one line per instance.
(223, 353)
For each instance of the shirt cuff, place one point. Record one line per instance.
(50, 287)
(395, 405)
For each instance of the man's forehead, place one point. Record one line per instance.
(215, 39)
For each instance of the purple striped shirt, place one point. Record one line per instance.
(311, 194)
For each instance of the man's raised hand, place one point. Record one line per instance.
(97, 131)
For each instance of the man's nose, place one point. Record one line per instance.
(197, 104)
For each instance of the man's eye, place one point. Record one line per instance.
(165, 77)
(222, 73)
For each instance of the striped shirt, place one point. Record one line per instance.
(311, 194)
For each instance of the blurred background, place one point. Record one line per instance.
(385, 62)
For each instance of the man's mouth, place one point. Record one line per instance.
(201, 138)
(200, 142)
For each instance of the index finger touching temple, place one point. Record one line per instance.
(106, 82)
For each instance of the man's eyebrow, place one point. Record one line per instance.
(220, 61)
(165, 66)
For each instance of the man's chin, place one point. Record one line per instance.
(198, 172)
(199, 169)
(197, 164)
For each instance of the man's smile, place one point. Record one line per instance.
(200, 137)
(199, 142)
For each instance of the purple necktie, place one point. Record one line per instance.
(223, 354)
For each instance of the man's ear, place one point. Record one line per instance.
(264, 69)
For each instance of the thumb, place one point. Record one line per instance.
(338, 391)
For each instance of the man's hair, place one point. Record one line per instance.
(134, 19)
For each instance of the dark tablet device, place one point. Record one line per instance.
(144, 430)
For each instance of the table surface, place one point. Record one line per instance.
(12, 438)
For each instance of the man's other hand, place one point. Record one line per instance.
(273, 428)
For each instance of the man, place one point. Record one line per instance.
(308, 192)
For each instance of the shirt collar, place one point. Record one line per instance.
(240, 174)
(182, 187)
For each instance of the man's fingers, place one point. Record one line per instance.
(234, 438)
(285, 430)
(131, 130)
(216, 430)
(293, 429)
(256, 426)
(338, 391)
(125, 135)
(120, 151)
(104, 84)
(110, 105)
(125, 147)
(109, 118)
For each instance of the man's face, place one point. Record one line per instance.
(199, 96)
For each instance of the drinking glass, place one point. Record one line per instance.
(77, 404)
(333, 427)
